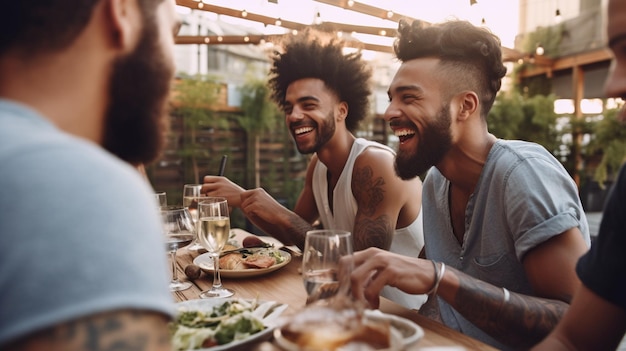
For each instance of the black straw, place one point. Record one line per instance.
(222, 165)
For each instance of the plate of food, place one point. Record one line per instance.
(245, 262)
(223, 324)
(409, 331)
(317, 328)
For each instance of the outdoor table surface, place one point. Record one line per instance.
(285, 285)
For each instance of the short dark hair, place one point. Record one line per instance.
(471, 55)
(39, 26)
(318, 55)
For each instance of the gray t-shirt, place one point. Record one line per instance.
(79, 229)
(524, 197)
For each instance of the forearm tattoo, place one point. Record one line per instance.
(118, 330)
(521, 322)
(297, 230)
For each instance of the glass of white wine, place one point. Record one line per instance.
(214, 230)
(179, 232)
(320, 263)
(191, 196)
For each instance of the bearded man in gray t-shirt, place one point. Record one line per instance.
(503, 222)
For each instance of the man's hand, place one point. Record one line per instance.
(223, 187)
(272, 217)
(374, 268)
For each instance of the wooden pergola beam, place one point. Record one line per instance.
(507, 53)
(368, 10)
(568, 62)
(258, 39)
(267, 20)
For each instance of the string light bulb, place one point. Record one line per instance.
(557, 16)
(350, 3)
(389, 14)
(244, 13)
(278, 22)
(539, 50)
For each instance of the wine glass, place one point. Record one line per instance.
(320, 263)
(179, 232)
(191, 195)
(214, 230)
(161, 199)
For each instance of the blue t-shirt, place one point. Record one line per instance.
(523, 197)
(79, 229)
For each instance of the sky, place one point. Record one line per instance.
(501, 16)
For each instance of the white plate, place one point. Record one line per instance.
(205, 262)
(405, 332)
(270, 321)
(410, 331)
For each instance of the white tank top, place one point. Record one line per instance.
(406, 241)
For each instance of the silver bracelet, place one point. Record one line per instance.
(507, 295)
(438, 277)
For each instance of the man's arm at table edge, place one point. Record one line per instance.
(120, 329)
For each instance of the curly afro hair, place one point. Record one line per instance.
(313, 54)
(472, 56)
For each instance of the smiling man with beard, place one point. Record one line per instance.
(82, 97)
(503, 223)
(350, 182)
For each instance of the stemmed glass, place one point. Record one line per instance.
(191, 196)
(320, 263)
(179, 232)
(214, 230)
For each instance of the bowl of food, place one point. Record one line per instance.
(326, 328)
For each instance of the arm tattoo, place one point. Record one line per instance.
(297, 230)
(372, 232)
(369, 191)
(521, 322)
(117, 330)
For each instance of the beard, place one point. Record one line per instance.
(136, 121)
(325, 132)
(434, 142)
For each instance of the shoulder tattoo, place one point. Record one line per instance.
(367, 189)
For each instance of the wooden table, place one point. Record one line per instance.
(285, 285)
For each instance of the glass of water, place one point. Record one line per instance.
(320, 262)
(191, 197)
(179, 232)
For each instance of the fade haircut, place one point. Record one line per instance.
(471, 57)
(34, 27)
(319, 55)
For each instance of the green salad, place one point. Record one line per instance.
(227, 322)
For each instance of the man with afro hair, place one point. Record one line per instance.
(350, 182)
